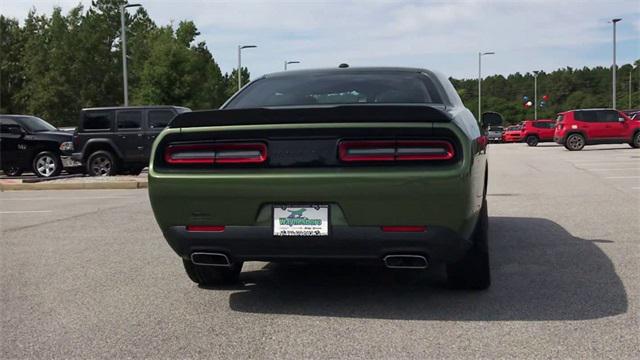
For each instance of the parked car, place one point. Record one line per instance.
(512, 134)
(537, 131)
(494, 133)
(112, 140)
(29, 143)
(364, 165)
(577, 128)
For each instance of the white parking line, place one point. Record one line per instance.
(68, 198)
(618, 169)
(26, 212)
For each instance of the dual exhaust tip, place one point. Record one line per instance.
(400, 261)
(210, 259)
(405, 261)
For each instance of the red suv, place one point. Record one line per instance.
(577, 128)
(535, 131)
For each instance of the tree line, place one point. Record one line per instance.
(53, 66)
(566, 89)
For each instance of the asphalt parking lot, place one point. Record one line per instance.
(87, 274)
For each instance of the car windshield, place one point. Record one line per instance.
(393, 87)
(34, 124)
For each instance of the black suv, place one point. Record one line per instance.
(32, 144)
(113, 140)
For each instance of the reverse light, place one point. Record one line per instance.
(574, 126)
(223, 153)
(395, 150)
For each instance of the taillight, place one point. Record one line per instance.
(395, 150)
(404, 228)
(205, 228)
(223, 153)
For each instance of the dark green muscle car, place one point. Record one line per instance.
(383, 166)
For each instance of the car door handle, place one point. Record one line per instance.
(140, 147)
(123, 136)
(139, 135)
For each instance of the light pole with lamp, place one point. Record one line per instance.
(289, 62)
(614, 21)
(123, 37)
(535, 94)
(240, 47)
(480, 55)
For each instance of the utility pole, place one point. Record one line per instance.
(123, 37)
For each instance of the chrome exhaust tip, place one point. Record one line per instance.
(210, 259)
(405, 262)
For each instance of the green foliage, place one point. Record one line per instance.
(567, 89)
(53, 66)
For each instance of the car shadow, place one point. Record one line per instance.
(540, 272)
(621, 147)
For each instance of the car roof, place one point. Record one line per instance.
(142, 107)
(348, 70)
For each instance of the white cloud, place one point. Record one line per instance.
(445, 35)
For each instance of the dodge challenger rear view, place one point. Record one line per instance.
(380, 166)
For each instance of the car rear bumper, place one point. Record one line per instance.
(559, 139)
(349, 243)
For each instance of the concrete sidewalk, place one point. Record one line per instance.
(77, 183)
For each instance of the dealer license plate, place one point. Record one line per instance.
(301, 220)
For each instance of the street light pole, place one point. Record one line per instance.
(123, 37)
(239, 74)
(289, 62)
(480, 55)
(614, 21)
(535, 94)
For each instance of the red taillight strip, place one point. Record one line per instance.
(205, 228)
(223, 153)
(404, 228)
(390, 150)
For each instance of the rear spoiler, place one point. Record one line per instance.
(312, 114)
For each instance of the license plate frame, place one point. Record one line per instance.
(296, 224)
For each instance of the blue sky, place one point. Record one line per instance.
(441, 35)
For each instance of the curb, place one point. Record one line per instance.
(75, 185)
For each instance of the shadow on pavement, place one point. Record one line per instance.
(540, 272)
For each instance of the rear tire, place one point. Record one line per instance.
(635, 142)
(574, 142)
(101, 163)
(532, 140)
(473, 271)
(12, 170)
(47, 164)
(212, 275)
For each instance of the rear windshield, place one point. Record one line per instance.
(335, 88)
